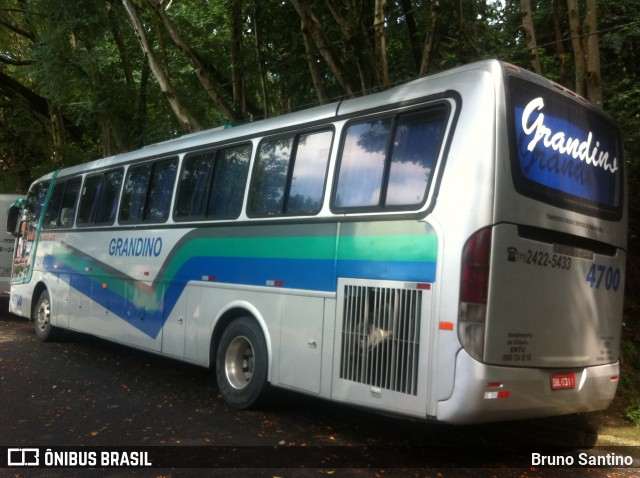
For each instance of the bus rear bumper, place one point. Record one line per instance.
(486, 393)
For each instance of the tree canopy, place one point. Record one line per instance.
(86, 79)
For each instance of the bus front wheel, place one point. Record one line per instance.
(45, 331)
(241, 364)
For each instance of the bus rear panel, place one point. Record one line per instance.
(542, 287)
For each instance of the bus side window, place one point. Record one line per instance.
(229, 180)
(416, 143)
(290, 174)
(362, 164)
(62, 204)
(147, 192)
(69, 202)
(99, 198)
(193, 189)
(387, 163)
(212, 184)
(161, 183)
(89, 200)
(270, 176)
(309, 173)
(109, 195)
(135, 193)
(53, 207)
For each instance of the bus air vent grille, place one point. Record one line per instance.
(381, 337)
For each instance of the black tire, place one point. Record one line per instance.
(45, 332)
(241, 364)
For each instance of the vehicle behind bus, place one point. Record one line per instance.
(452, 248)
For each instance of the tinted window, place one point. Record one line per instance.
(89, 200)
(309, 172)
(109, 194)
(212, 184)
(53, 207)
(163, 178)
(147, 192)
(99, 198)
(388, 162)
(290, 174)
(416, 144)
(362, 166)
(229, 180)
(134, 195)
(270, 176)
(194, 186)
(62, 204)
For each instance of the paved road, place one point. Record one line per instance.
(83, 391)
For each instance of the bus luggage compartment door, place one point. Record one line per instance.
(554, 301)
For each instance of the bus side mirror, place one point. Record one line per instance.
(12, 220)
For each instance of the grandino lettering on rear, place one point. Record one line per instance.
(562, 143)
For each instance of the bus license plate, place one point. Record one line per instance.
(560, 381)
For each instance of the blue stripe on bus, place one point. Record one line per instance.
(303, 274)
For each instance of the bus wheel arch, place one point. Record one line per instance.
(41, 314)
(241, 359)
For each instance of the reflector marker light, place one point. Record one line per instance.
(146, 273)
(615, 378)
(275, 283)
(497, 394)
(446, 325)
(423, 286)
(88, 269)
(209, 278)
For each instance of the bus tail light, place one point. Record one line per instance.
(474, 290)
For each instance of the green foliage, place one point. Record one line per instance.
(630, 378)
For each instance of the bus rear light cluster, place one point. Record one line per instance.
(474, 290)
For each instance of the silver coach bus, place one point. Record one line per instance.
(452, 248)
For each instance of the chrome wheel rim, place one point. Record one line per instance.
(239, 362)
(43, 315)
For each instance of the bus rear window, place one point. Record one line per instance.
(564, 152)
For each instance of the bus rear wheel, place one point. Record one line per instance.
(241, 364)
(45, 331)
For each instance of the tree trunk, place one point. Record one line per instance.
(312, 24)
(559, 43)
(316, 74)
(530, 34)
(257, 41)
(591, 50)
(381, 47)
(185, 119)
(208, 82)
(237, 62)
(578, 54)
(412, 30)
(351, 19)
(57, 133)
(429, 40)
